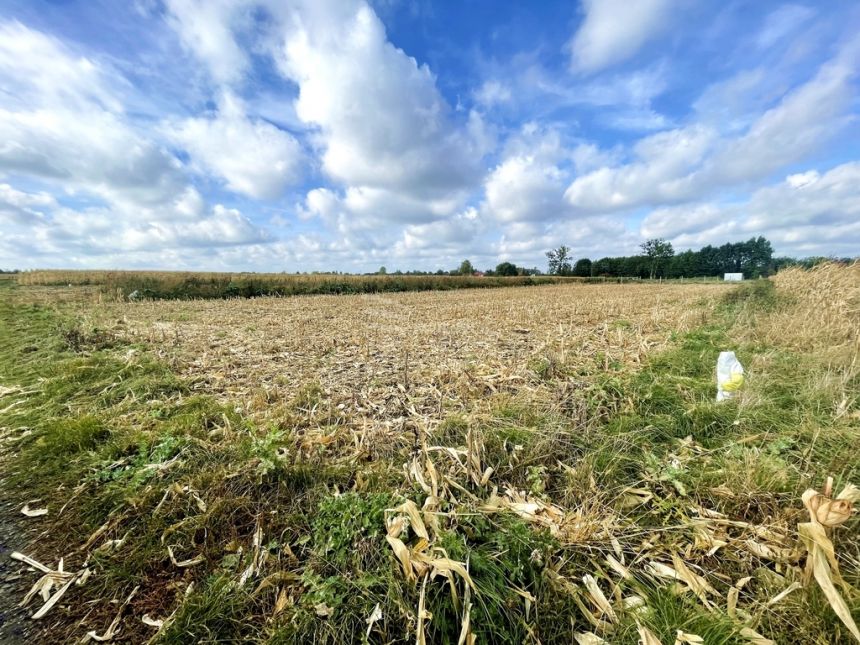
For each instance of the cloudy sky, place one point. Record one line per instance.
(347, 134)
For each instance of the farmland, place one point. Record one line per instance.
(175, 285)
(542, 464)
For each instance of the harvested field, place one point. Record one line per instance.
(536, 465)
(378, 357)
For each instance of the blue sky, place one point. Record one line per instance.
(290, 135)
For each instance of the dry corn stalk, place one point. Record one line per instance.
(59, 579)
(646, 636)
(33, 512)
(420, 561)
(826, 513)
(183, 563)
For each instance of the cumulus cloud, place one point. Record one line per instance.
(612, 31)
(392, 149)
(400, 154)
(310, 102)
(252, 156)
(382, 121)
(525, 188)
(806, 213)
(694, 160)
(94, 151)
(66, 128)
(39, 69)
(66, 125)
(450, 236)
(222, 227)
(660, 170)
(206, 28)
(46, 229)
(20, 207)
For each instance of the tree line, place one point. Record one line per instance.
(754, 258)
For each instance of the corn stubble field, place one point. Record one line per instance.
(410, 358)
(542, 464)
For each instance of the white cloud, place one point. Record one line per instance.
(801, 179)
(394, 151)
(592, 237)
(223, 226)
(525, 188)
(806, 118)
(66, 129)
(660, 171)
(625, 98)
(94, 151)
(23, 208)
(39, 69)
(697, 159)
(806, 213)
(66, 125)
(588, 156)
(612, 31)
(452, 236)
(252, 156)
(206, 29)
(782, 22)
(40, 229)
(492, 92)
(383, 123)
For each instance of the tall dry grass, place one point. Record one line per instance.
(177, 285)
(824, 308)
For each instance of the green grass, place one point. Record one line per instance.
(112, 432)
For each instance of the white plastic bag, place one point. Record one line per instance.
(730, 375)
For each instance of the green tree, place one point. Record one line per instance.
(382, 271)
(657, 251)
(507, 269)
(559, 261)
(582, 268)
(466, 268)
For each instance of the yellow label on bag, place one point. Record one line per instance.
(734, 383)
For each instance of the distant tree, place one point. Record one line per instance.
(602, 267)
(582, 268)
(657, 251)
(757, 257)
(382, 271)
(780, 263)
(682, 265)
(558, 261)
(507, 269)
(466, 268)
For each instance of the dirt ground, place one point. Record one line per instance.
(15, 579)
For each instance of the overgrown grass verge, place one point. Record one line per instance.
(288, 533)
(177, 285)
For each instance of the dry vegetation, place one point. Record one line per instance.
(421, 355)
(518, 465)
(185, 285)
